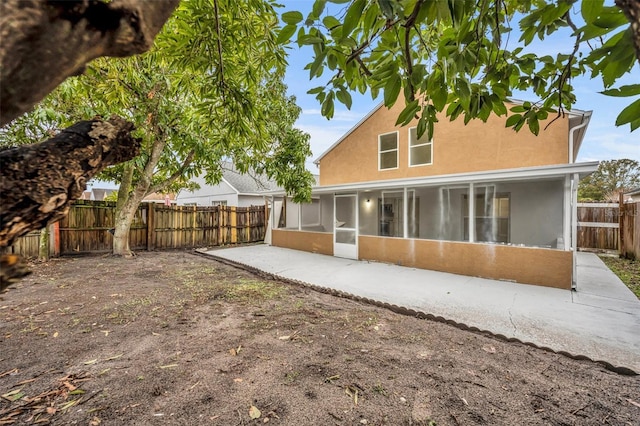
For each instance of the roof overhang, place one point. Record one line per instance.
(519, 174)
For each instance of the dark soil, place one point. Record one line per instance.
(176, 339)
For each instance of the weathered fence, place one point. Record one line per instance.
(598, 226)
(630, 230)
(86, 229)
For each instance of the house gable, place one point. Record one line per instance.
(456, 148)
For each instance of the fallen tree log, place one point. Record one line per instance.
(38, 182)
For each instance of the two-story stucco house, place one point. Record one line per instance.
(477, 199)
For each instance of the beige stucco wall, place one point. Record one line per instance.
(457, 148)
(314, 242)
(545, 267)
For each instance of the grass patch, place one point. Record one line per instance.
(253, 290)
(627, 270)
(207, 284)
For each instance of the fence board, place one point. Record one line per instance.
(86, 228)
(598, 226)
(630, 230)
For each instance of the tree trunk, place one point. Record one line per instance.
(44, 42)
(43, 249)
(631, 9)
(124, 219)
(39, 182)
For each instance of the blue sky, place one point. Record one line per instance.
(603, 141)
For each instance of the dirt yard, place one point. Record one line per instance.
(173, 338)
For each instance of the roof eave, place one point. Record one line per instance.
(553, 171)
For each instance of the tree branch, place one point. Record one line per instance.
(178, 173)
(44, 42)
(39, 182)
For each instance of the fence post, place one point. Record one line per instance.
(56, 239)
(234, 223)
(151, 226)
(193, 227)
(621, 213)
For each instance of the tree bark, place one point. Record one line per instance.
(39, 182)
(123, 220)
(44, 42)
(631, 9)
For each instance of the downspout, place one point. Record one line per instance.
(574, 229)
(572, 136)
(574, 203)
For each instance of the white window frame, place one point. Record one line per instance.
(409, 146)
(397, 151)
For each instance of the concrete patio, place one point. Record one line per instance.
(601, 320)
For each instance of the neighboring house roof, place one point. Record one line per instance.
(157, 197)
(574, 114)
(635, 191)
(247, 184)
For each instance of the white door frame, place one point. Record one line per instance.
(349, 249)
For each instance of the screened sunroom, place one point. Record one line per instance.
(514, 225)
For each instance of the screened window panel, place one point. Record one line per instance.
(389, 160)
(388, 142)
(420, 155)
(413, 137)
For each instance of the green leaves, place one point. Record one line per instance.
(623, 91)
(284, 35)
(354, 13)
(292, 18)
(452, 56)
(392, 90)
(631, 115)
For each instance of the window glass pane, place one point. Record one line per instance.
(389, 160)
(345, 212)
(345, 237)
(420, 155)
(491, 215)
(388, 141)
(413, 137)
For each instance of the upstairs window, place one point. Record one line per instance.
(420, 149)
(388, 151)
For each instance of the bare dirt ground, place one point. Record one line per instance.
(173, 338)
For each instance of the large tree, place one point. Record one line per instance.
(192, 108)
(460, 57)
(611, 178)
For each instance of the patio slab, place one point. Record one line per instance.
(601, 320)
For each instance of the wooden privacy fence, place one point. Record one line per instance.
(598, 226)
(630, 230)
(86, 229)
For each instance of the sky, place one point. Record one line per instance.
(603, 140)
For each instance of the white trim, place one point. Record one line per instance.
(541, 172)
(405, 213)
(602, 205)
(574, 145)
(351, 130)
(472, 213)
(409, 146)
(566, 207)
(574, 228)
(349, 251)
(397, 150)
(230, 186)
(599, 224)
